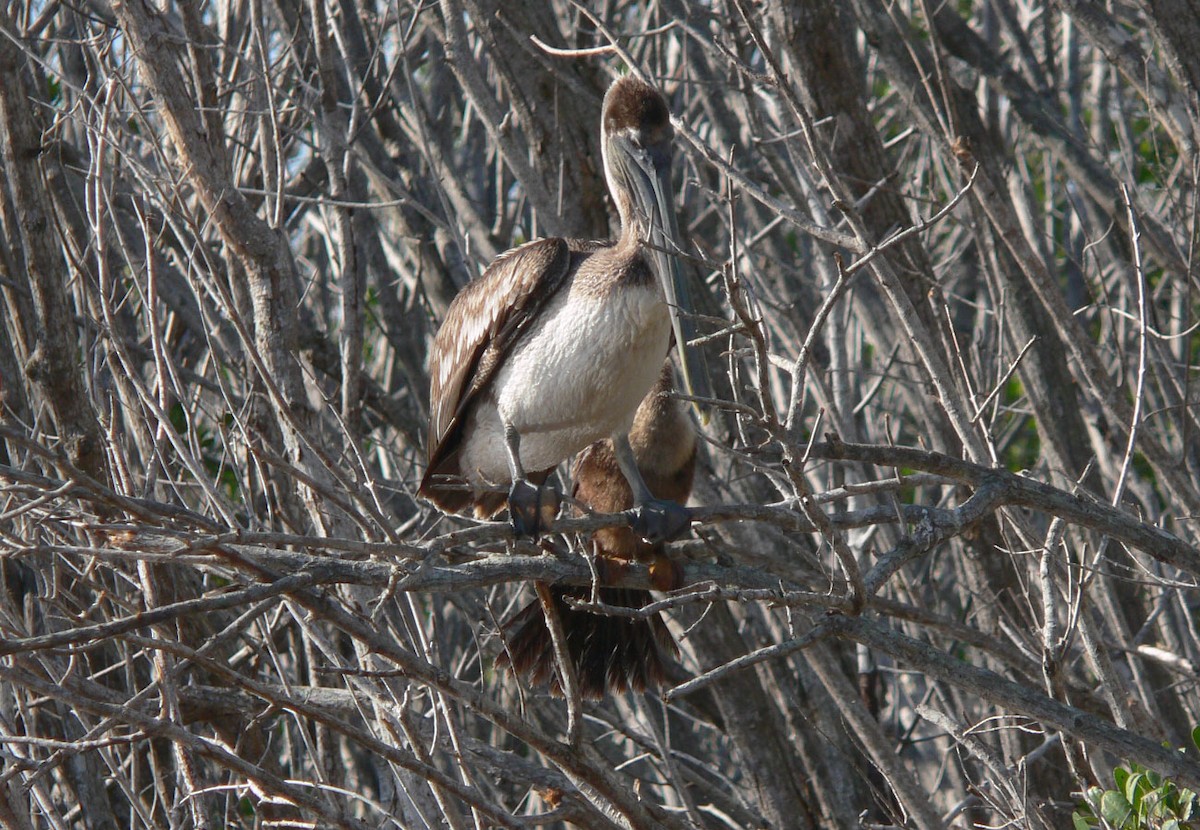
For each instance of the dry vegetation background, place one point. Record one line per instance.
(945, 562)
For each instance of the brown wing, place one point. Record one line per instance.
(481, 325)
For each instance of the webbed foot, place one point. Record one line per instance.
(659, 520)
(530, 507)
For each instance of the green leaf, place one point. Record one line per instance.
(1080, 822)
(1120, 776)
(1186, 807)
(1132, 790)
(1196, 737)
(1115, 809)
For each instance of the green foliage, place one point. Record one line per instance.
(792, 240)
(212, 457)
(1140, 800)
(1022, 446)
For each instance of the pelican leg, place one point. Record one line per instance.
(655, 520)
(529, 506)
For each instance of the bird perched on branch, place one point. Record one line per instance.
(614, 653)
(554, 347)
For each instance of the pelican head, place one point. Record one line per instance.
(636, 136)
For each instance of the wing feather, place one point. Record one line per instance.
(481, 325)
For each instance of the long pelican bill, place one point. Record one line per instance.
(649, 175)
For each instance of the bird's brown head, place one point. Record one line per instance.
(638, 111)
(635, 134)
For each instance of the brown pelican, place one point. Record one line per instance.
(554, 347)
(610, 652)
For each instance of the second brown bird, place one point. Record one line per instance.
(614, 653)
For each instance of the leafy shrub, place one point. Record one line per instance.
(1141, 800)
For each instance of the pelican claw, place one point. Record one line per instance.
(660, 520)
(531, 507)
